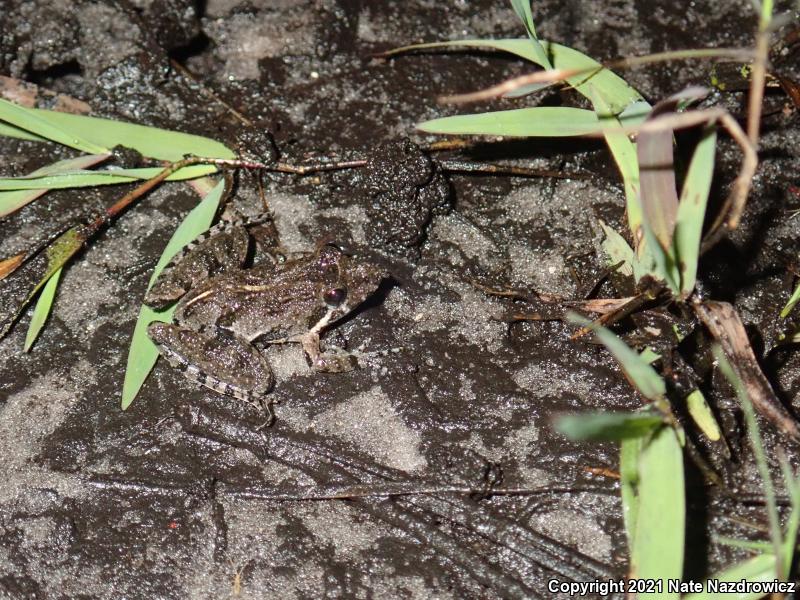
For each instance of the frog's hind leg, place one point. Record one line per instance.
(223, 247)
(224, 363)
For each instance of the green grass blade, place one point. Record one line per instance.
(701, 414)
(792, 485)
(85, 178)
(37, 122)
(520, 47)
(13, 201)
(161, 144)
(7, 130)
(624, 152)
(629, 452)
(540, 121)
(95, 135)
(42, 309)
(758, 451)
(692, 210)
(617, 250)
(142, 353)
(759, 568)
(658, 547)
(608, 426)
(795, 298)
(618, 94)
(636, 369)
(523, 10)
(658, 262)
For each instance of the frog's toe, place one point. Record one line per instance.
(227, 365)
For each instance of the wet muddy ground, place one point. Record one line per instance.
(180, 496)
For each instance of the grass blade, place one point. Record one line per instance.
(7, 130)
(523, 10)
(153, 142)
(701, 414)
(618, 94)
(618, 251)
(692, 210)
(33, 121)
(608, 426)
(658, 547)
(629, 452)
(641, 375)
(540, 121)
(13, 201)
(795, 298)
(95, 135)
(742, 392)
(142, 354)
(84, 178)
(758, 568)
(35, 272)
(624, 152)
(42, 309)
(657, 193)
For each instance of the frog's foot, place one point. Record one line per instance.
(337, 360)
(228, 365)
(374, 357)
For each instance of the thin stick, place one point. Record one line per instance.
(458, 166)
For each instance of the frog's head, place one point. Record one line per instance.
(349, 280)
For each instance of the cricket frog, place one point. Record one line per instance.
(226, 308)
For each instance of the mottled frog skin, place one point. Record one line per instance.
(220, 316)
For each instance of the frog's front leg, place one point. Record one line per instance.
(331, 361)
(224, 362)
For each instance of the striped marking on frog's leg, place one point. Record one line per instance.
(227, 365)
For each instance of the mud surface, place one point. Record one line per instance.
(180, 496)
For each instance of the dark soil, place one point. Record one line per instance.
(180, 496)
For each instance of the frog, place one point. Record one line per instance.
(226, 311)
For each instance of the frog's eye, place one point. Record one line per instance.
(334, 296)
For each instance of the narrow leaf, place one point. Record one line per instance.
(18, 291)
(161, 144)
(523, 10)
(7, 130)
(658, 547)
(616, 92)
(745, 399)
(95, 135)
(657, 193)
(795, 298)
(617, 250)
(701, 414)
(13, 201)
(142, 354)
(83, 178)
(42, 310)
(38, 123)
(692, 210)
(624, 152)
(636, 369)
(629, 453)
(540, 121)
(759, 568)
(608, 426)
